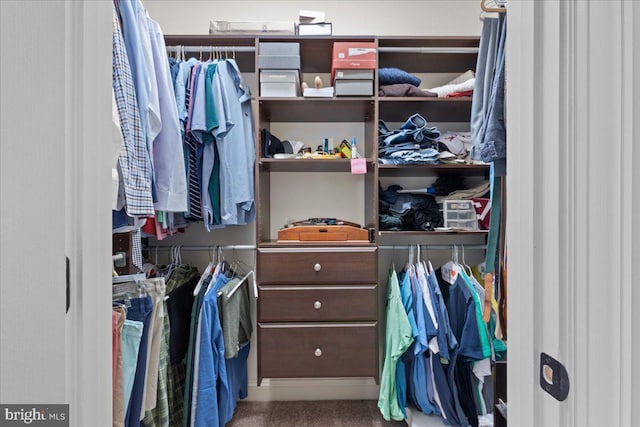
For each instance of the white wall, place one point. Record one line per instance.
(402, 17)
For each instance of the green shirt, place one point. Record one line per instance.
(398, 338)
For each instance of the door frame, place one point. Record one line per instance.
(89, 130)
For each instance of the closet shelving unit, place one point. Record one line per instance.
(437, 60)
(318, 312)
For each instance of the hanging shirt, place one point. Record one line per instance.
(155, 121)
(134, 157)
(446, 339)
(401, 368)
(206, 123)
(190, 361)
(478, 301)
(193, 185)
(182, 81)
(135, 52)
(462, 315)
(236, 148)
(169, 171)
(237, 328)
(426, 296)
(422, 389)
(397, 340)
(213, 395)
(117, 145)
(212, 158)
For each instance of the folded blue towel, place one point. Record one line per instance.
(392, 75)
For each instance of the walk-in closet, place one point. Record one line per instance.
(251, 213)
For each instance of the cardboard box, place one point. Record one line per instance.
(354, 87)
(353, 55)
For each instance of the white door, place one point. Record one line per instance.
(573, 113)
(55, 129)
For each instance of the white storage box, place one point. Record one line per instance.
(249, 27)
(279, 62)
(354, 74)
(460, 215)
(280, 83)
(279, 48)
(354, 87)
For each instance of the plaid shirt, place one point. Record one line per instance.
(134, 157)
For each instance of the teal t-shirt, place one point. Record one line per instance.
(398, 338)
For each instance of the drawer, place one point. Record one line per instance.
(317, 265)
(317, 303)
(317, 350)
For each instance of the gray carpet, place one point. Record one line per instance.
(324, 413)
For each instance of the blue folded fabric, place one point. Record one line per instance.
(392, 75)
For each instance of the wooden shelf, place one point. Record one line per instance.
(276, 244)
(431, 233)
(423, 99)
(428, 62)
(316, 51)
(432, 109)
(356, 109)
(309, 165)
(432, 170)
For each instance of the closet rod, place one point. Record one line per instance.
(194, 248)
(207, 49)
(390, 49)
(121, 256)
(432, 247)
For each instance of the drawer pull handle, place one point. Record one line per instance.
(317, 267)
(317, 352)
(317, 305)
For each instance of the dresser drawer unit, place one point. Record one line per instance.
(317, 265)
(317, 303)
(317, 350)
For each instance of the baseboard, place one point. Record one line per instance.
(314, 389)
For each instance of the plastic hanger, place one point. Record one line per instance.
(244, 279)
(466, 267)
(412, 258)
(205, 274)
(427, 264)
(450, 269)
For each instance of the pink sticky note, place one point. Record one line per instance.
(358, 166)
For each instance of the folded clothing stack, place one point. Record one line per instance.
(397, 82)
(399, 211)
(412, 143)
(458, 87)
